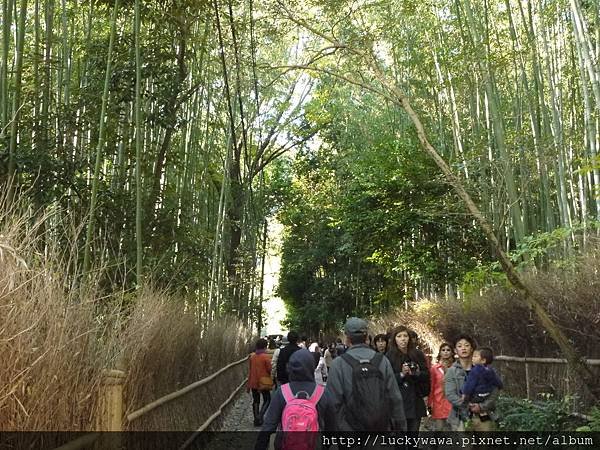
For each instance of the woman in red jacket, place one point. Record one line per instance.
(260, 381)
(440, 407)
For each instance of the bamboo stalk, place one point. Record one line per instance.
(527, 381)
(100, 146)
(173, 395)
(139, 133)
(4, 97)
(16, 100)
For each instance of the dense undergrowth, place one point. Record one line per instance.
(544, 414)
(496, 317)
(57, 336)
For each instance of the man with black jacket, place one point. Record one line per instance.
(284, 357)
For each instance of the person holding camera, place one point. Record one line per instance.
(412, 375)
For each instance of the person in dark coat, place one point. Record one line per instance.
(412, 375)
(284, 357)
(301, 369)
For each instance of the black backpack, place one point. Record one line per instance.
(369, 406)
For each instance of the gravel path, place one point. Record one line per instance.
(239, 415)
(238, 418)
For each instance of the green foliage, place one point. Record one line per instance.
(594, 423)
(546, 414)
(539, 250)
(368, 218)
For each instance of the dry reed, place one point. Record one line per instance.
(57, 337)
(497, 318)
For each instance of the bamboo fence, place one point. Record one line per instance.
(529, 377)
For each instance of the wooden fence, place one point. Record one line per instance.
(111, 406)
(525, 377)
(528, 377)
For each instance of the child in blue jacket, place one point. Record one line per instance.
(482, 379)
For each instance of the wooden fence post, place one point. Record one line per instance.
(527, 381)
(110, 417)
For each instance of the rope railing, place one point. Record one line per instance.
(529, 361)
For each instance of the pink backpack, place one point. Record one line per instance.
(300, 415)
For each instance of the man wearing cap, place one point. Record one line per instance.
(339, 381)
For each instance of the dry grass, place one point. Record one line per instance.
(171, 351)
(56, 340)
(498, 318)
(429, 337)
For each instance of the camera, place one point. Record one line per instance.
(413, 366)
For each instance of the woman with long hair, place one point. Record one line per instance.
(440, 407)
(412, 375)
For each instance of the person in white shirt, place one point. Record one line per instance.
(321, 367)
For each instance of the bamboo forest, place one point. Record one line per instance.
(179, 178)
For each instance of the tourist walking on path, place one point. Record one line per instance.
(412, 375)
(302, 384)
(271, 347)
(454, 381)
(284, 357)
(302, 342)
(363, 386)
(380, 343)
(329, 355)
(275, 357)
(340, 347)
(321, 367)
(439, 406)
(260, 381)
